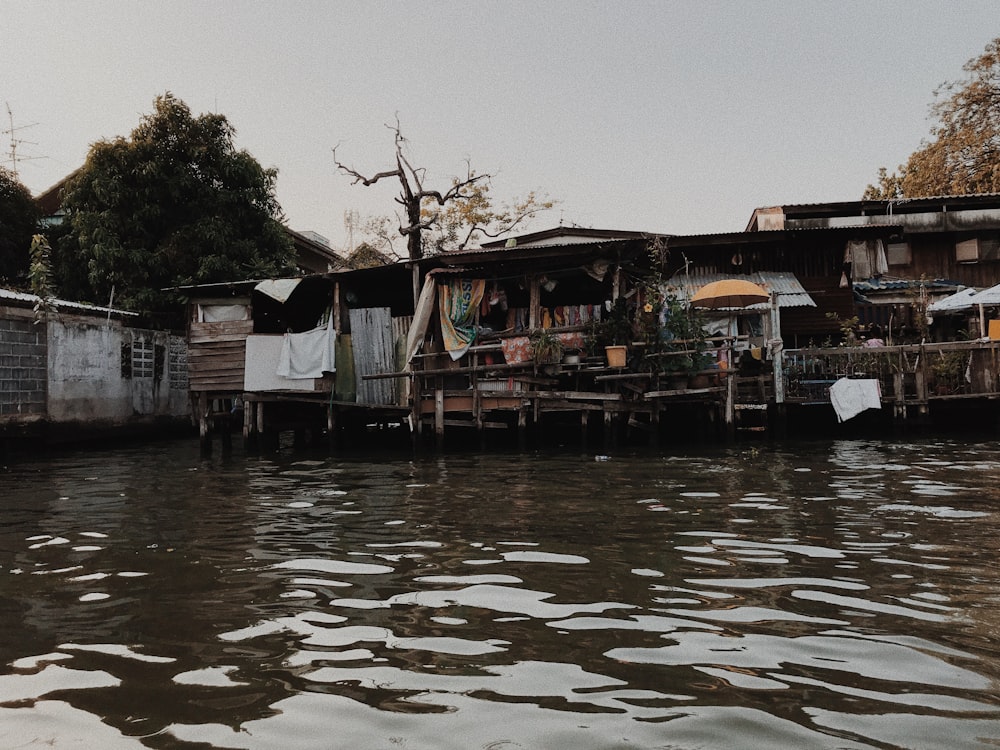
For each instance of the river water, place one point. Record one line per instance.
(821, 595)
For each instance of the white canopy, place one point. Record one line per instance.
(954, 303)
(279, 289)
(986, 297)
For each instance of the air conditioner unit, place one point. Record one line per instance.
(967, 251)
(978, 248)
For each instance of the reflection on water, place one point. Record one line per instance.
(832, 595)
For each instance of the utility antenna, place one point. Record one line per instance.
(351, 221)
(13, 156)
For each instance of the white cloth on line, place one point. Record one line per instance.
(851, 397)
(222, 313)
(867, 259)
(307, 355)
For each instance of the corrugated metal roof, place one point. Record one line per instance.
(969, 198)
(955, 302)
(879, 285)
(761, 236)
(571, 235)
(31, 299)
(788, 288)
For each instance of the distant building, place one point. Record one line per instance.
(932, 247)
(316, 237)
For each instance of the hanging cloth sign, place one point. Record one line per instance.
(459, 300)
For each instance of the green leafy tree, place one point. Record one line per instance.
(175, 203)
(367, 256)
(963, 155)
(18, 223)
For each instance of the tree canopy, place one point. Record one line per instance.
(963, 155)
(18, 222)
(474, 215)
(175, 203)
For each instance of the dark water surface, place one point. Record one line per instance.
(822, 595)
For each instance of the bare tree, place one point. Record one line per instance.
(419, 203)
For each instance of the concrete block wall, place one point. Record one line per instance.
(23, 366)
(80, 373)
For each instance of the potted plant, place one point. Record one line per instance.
(546, 347)
(948, 370)
(682, 342)
(612, 334)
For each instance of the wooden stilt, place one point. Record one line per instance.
(730, 408)
(250, 437)
(202, 404)
(439, 411)
(226, 414)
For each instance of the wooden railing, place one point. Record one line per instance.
(913, 373)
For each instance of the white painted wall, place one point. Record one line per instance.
(85, 380)
(261, 372)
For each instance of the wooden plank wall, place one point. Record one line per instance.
(400, 330)
(217, 355)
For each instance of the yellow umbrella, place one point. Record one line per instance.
(729, 293)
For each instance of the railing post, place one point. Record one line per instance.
(777, 351)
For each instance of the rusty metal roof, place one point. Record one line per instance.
(790, 292)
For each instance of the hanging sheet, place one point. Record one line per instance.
(867, 259)
(459, 301)
(421, 317)
(222, 313)
(308, 354)
(851, 397)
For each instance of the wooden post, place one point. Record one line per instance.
(534, 304)
(416, 402)
(227, 426)
(439, 410)
(336, 307)
(920, 379)
(248, 407)
(202, 403)
(730, 417)
(416, 285)
(897, 386)
(778, 352)
(331, 425)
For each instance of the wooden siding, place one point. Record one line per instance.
(217, 355)
(934, 258)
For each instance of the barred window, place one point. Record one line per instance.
(143, 357)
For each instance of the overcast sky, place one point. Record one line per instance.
(675, 117)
